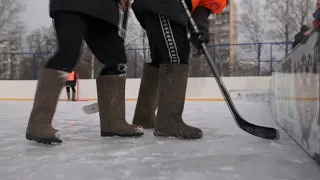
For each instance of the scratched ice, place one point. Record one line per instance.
(225, 152)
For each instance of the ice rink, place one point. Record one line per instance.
(225, 152)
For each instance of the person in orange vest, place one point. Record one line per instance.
(164, 80)
(71, 83)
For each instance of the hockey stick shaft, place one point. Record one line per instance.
(125, 18)
(259, 131)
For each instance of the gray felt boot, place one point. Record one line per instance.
(50, 85)
(74, 96)
(148, 98)
(173, 85)
(111, 101)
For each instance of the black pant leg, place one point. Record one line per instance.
(68, 89)
(70, 29)
(168, 40)
(73, 88)
(107, 46)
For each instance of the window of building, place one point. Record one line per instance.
(225, 16)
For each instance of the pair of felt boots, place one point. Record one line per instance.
(163, 88)
(73, 96)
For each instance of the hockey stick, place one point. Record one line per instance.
(94, 108)
(125, 18)
(259, 131)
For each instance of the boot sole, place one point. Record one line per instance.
(43, 140)
(110, 134)
(166, 135)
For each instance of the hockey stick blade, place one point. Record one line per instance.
(91, 108)
(259, 131)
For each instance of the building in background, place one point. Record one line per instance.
(10, 61)
(223, 31)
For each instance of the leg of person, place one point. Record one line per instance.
(105, 43)
(147, 102)
(73, 92)
(70, 29)
(173, 47)
(68, 92)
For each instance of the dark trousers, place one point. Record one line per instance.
(101, 37)
(72, 86)
(168, 40)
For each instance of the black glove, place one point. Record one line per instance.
(198, 39)
(200, 16)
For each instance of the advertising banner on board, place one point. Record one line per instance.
(250, 95)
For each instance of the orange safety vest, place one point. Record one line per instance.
(71, 76)
(216, 6)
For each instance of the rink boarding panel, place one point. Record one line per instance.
(204, 89)
(294, 97)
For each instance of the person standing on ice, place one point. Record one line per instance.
(96, 22)
(164, 80)
(71, 83)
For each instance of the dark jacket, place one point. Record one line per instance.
(174, 10)
(107, 10)
(297, 39)
(200, 16)
(171, 9)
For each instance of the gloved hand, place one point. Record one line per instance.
(200, 16)
(198, 39)
(123, 4)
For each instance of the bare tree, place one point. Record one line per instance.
(42, 40)
(49, 38)
(34, 41)
(253, 27)
(11, 32)
(15, 38)
(287, 17)
(41, 43)
(16, 34)
(304, 11)
(10, 11)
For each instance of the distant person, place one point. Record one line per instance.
(316, 15)
(71, 83)
(304, 31)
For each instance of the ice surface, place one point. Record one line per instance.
(225, 152)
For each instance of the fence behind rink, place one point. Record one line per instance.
(294, 94)
(245, 59)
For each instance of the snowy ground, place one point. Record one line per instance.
(225, 152)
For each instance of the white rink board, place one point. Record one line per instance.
(295, 98)
(198, 88)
